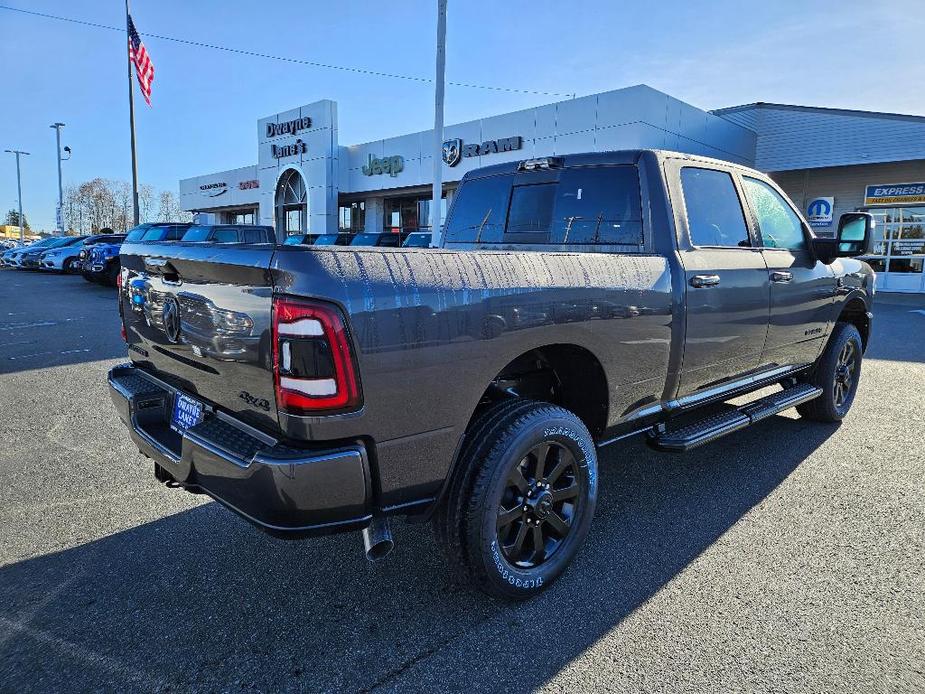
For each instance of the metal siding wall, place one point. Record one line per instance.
(846, 184)
(795, 138)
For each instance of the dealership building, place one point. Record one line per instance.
(828, 160)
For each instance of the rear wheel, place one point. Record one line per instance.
(837, 373)
(522, 503)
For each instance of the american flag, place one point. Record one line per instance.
(138, 54)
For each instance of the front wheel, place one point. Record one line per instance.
(522, 504)
(837, 373)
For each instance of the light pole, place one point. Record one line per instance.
(59, 218)
(435, 230)
(22, 225)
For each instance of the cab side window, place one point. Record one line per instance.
(778, 223)
(714, 212)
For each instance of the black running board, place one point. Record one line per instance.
(717, 426)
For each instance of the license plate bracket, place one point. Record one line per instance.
(187, 413)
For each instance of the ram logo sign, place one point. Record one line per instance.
(819, 212)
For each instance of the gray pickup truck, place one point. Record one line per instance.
(575, 301)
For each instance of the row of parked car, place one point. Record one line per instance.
(97, 257)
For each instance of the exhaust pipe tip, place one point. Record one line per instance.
(377, 539)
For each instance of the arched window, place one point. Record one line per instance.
(291, 203)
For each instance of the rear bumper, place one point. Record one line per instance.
(280, 489)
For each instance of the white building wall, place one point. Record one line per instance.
(318, 164)
(223, 189)
(634, 117)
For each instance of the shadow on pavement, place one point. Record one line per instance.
(200, 600)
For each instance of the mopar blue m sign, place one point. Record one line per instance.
(895, 194)
(819, 212)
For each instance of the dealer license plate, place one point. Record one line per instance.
(187, 413)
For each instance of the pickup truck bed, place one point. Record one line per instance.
(574, 301)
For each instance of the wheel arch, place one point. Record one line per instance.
(854, 310)
(578, 381)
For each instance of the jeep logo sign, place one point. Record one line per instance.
(454, 150)
(387, 165)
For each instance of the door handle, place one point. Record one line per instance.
(704, 281)
(781, 276)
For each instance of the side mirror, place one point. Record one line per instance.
(854, 237)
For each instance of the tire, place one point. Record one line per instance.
(837, 372)
(68, 266)
(110, 274)
(88, 277)
(508, 526)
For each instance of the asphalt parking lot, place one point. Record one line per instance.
(788, 557)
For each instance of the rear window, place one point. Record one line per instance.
(136, 234)
(417, 241)
(226, 236)
(326, 240)
(155, 234)
(586, 205)
(293, 240)
(479, 210)
(196, 233)
(257, 235)
(598, 205)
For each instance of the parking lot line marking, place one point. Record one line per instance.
(79, 652)
(918, 310)
(29, 356)
(24, 326)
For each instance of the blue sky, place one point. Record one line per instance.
(848, 54)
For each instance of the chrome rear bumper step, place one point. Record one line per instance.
(716, 426)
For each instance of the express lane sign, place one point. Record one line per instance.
(895, 194)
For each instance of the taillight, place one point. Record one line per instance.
(123, 333)
(312, 363)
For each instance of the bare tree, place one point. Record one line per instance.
(146, 197)
(101, 203)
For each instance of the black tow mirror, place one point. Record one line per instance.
(855, 237)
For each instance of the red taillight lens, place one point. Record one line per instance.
(312, 363)
(124, 335)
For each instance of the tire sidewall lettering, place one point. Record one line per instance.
(583, 449)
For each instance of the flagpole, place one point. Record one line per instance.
(131, 119)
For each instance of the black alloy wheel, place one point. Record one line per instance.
(521, 499)
(837, 373)
(845, 368)
(538, 505)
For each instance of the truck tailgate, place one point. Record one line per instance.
(198, 316)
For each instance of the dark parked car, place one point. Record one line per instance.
(102, 262)
(575, 301)
(229, 233)
(83, 257)
(300, 239)
(387, 238)
(417, 239)
(339, 239)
